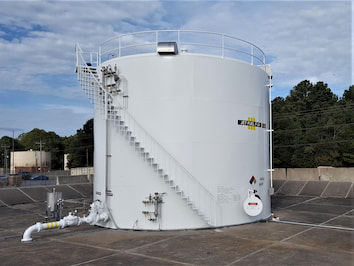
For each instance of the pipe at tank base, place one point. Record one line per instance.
(43, 226)
(97, 213)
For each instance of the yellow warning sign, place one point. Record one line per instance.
(251, 123)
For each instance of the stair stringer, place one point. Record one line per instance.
(132, 179)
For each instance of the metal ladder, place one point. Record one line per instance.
(166, 166)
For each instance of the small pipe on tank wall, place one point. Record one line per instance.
(270, 85)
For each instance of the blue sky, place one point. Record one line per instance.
(38, 87)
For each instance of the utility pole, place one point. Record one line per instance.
(40, 143)
(13, 144)
(5, 157)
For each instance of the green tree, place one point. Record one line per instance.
(346, 148)
(80, 146)
(6, 147)
(50, 141)
(312, 127)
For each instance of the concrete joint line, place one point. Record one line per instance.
(87, 245)
(251, 254)
(324, 190)
(337, 217)
(281, 186)
(160, 259)
(4, 203)
(302, 188)
(150, 244)
(299, 203)
(28, 196)
(350, 188)
(76, 190)
(94, 260)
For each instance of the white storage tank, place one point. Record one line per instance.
(182, 129)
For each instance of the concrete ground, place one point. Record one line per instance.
(288, 242)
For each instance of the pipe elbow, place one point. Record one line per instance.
(27, 234)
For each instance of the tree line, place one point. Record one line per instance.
(79, 146)
(312, 127)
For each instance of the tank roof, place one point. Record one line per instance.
(187, 41)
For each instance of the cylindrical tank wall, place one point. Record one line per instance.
(199, 108)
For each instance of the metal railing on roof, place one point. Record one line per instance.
(195, 42)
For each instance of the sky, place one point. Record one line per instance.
(38, 87)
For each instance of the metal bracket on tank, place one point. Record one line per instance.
(109, 193)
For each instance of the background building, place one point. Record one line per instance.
(30, 161)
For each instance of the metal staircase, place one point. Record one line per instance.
(165, 165)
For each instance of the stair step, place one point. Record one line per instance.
(164, 176)
(173, 185)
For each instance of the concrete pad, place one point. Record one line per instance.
(304, 217)
(67, 192)
(7, 234)
(36, 193)
(131, 259)
(337, 189)
(335, 210)
(85, 189)
(11, 196)
(291, 187)
(203, 248)
(36, 207)
(289, 254)
(333, 202)
(343, 221)
(314, 188)
(268, 231)
(277, 184)
(49, 252)
(120, 239)
(18, 219)
(263, 243)
(321, 237)
(280, 202)
(351, 192)
(350, 213)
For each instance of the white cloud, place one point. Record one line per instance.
(73, 109)
(303, 40)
